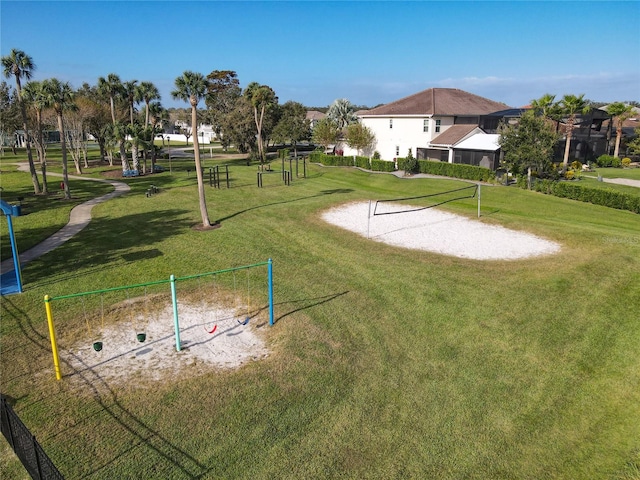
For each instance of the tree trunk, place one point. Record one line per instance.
(616, 151)
(42, 154)
(567, 148)
(196, 154)
(63, 146)
(32, 167)
(123, 157)
(134, 157)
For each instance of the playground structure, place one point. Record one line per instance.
(287, 175)
(136, 313)
(11, 283)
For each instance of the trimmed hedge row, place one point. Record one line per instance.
(456, 170)
(606, 197)
(341, 161)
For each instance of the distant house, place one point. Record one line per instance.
(314, 117)
(438, 124)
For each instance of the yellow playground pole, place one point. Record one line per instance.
(52, 336)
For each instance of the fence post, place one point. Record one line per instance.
(174, 299)
(270, 275)
(52, 336)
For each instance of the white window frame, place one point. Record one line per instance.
(438, 126)
(425, 125)
(390, 123)
(397, 150)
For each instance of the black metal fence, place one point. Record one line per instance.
(27, 449)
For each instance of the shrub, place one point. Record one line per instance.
(363, 162)
(376, 155)
(598, 196)
(456, 170)
(626, 162)
(606, 161)
(382, 165)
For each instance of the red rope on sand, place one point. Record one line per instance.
(214, 329)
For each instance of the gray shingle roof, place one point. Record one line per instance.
(439, 101)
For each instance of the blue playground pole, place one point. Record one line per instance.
(270, 269)
(174, 300)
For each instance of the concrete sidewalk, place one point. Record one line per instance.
(79, 218)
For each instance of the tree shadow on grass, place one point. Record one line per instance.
(322, 193)
(107, 243)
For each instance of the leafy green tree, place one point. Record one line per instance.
(138, 138)
(223, 90)
(634, 144)
(360, 137)
(20, 65)
(571, 106)
(191, 87)
(293, 125)
(35, 97)
(59, 96)
(98, 120)
(238, 126)
(528, 144)
(326, 132)
(9, 114)
(262, 98)
(620, 112)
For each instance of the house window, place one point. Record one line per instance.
(425, 125)
(438, 124)
(391, 123)
(397, 150)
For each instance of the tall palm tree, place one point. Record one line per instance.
(111, 87)
(157, 114)
(547, 107)
(59, 96)
(571, 106)
(620, 112)
(35, 96)
(20, 65)
(147, 92)
(129, 94)
(191, 87)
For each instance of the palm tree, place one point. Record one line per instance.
(20, 65)
(147, 92)
(129, 94)
(138, 137)
(620, 112)
(261, 97)
(571, 106)
(341, 111)
(59, 96)
(35, 96)
(191, 87)
(157, 114)
(547, 107)
(111, 87)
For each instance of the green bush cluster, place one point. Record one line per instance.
(604, 161)
(363, 162)
(598, 196)
(456, 170)
(331, 160)
(382, 166)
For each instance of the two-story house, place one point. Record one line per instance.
(431, 124)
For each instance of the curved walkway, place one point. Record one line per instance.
(79, 218)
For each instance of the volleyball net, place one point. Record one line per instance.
(393, 206)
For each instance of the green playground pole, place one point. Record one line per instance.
(174, 300)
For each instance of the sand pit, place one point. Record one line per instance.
(439, 232)
(123, 357)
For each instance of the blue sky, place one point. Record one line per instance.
(314, 52)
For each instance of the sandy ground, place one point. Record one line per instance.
(440, 232)
(123, 357)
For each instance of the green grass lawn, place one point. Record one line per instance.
(385, 362)
(632, 173)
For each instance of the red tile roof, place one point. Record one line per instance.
(439, 101)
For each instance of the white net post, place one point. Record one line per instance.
(368, 219)
(478, 200)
